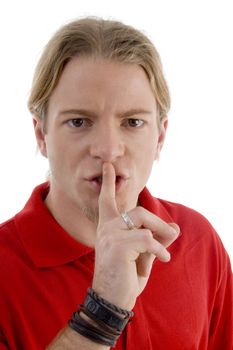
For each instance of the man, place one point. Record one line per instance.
(92, 244)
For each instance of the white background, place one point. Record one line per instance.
(195, 41)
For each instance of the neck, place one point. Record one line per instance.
(77, 222)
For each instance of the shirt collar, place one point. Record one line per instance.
(155, 205)
(47, 243)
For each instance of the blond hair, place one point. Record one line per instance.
(102, 38)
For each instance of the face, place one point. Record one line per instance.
(100, 111)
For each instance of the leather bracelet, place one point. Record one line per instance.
(78, 318)
(109, 319)
(106, 312)
(84, 328)
(100, 323)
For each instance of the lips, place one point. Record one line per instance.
(100, 178)
(95, 181)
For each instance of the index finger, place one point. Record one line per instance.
(107, 198)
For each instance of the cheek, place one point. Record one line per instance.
(147, 154)
(145, 160)
(57, 155)
(146, 167)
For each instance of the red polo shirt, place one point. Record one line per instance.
(45, 273)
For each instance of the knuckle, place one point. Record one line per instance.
(140, 210)
(147, 236)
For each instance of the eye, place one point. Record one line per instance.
(79, 122)
(135, 123)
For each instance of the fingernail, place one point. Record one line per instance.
(168, 256)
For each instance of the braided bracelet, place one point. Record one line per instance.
(95, 296)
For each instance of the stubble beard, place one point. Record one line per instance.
(91, 213)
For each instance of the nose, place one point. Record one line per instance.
(107, 144)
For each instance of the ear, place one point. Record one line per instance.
(161, 138)
(40, 135)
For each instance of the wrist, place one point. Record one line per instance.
(122, 299)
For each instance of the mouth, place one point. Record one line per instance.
(96, 182)
(99, 179)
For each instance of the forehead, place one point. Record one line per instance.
(102, 83)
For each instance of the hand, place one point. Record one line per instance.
(124, 257)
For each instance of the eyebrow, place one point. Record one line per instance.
(89, 113)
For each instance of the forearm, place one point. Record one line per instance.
(70, 340)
